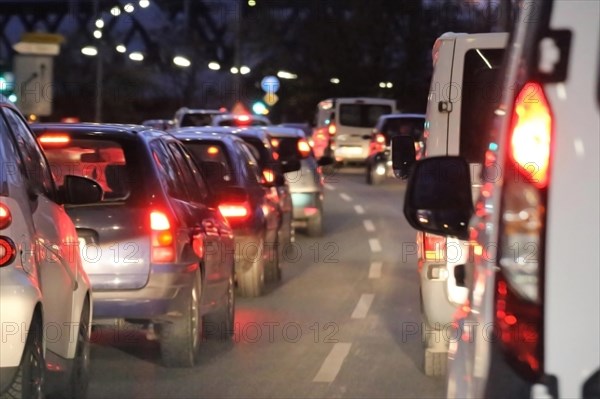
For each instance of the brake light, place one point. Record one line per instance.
(275, 143)
(380, 138)
(5, 216)
(530, 135)
(54, 139)
(519, 292)
(163, 249)
(235, 211)
(8, 251)
(332, 129)
(303, 148)
(434, 247)
(269, 175)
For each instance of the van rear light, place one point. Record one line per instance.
(304, 148)
(8, 251)
(54, 139)
(434, 247)
(235, 212)
(519, 284)
(5, 216)
(269, 175)
(332, 129)
(163, 248)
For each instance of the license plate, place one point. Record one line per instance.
(352, 150)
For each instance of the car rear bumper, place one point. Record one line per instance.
(157, 300)
(437, 309)
(357, 153)
(306, 204)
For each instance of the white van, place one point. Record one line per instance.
(462, 86)
(531, 325)
(345, 124)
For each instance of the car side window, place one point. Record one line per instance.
(189, 173)
(34, 163)
(253, 170)
(9, 159)
(169, 173)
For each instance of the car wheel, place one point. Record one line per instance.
(251, 280)
(435, 363)
(220, 324)
(273, 268)
(369, 177)
(375, 177)
(314, 225)
(80, 374)
(180, 339)
(29, 379)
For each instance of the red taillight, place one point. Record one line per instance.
(303, 148)
(434, 247)
(5, 216)
(275, 143)
(519, 283)
(163, 250)
(332, 129)
(8, 251)
(212, 150)
(531, 134)
(379, 138)
(235, 211)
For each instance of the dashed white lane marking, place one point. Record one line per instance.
(359, 209)
(345, 197)
(363, 306)
(375, 270)
(375, 245)
(333, 362)
(369, 226)
(329, 187)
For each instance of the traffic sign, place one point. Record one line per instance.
(270, 84)
(270, 99)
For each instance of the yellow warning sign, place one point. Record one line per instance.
(270, 99)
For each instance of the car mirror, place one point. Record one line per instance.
(325, 161)
(438, 197)
(403, 155)
(290, 165)
(78, 190)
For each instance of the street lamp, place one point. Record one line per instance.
(234, 70)
(90, 51)
(136, 56)
(181, 61)
(244, 70)
(335, 81)
(121, 48)
(215, 66)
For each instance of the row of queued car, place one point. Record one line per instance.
(107, 223)
(506, 202)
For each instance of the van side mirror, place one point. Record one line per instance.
(403, 155)
(290, 165)
(438, 197)
(78, 190)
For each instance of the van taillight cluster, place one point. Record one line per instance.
(519, 284)
(163, 248)
(304, 148)
(235, 212)
(8, 250)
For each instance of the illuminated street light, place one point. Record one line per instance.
(144, 3)
(99, 24)
(136, 56)
(382, 85)
(214, 66)
(244, 70)
(98, 34)
(251, 3)
(335, 81)
(234, 70)
(181, 61)
(115, 11)
(90, 51)
(121, 48)
(129, 8)
(389, 85)
(286, 75)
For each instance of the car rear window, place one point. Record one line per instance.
(196, 120)
(103, 161)
(237, 122)
(362, 115)
(286, 147)
(480, 95)
(213, 160)
(403, 127)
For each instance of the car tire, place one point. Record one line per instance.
(28, 382)
(220, 324)
(180, 338)
(251, 280)
(78, 380)
(272, 266)
(375, 178)
(434, 363)
(314, 224)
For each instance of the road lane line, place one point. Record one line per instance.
(375, 245)
(329, 187)
(369, 226)
(363, 306)
(375, 270)
(333, 362)
(359, 209)
(345, 197)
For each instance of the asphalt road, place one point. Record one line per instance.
(343, 323)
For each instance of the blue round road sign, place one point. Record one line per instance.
(270, 84)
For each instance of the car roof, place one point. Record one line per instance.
(400, 116)
(281, 131)
(104, 129)
(205, 133)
